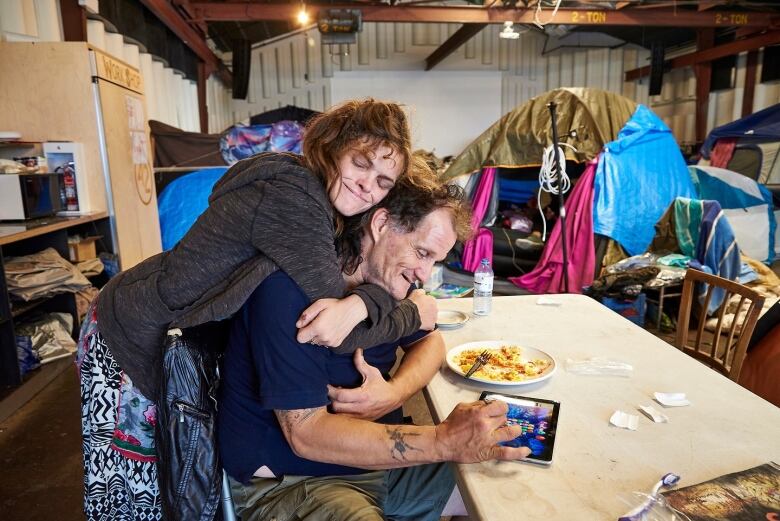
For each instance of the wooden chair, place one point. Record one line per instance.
(728, 358)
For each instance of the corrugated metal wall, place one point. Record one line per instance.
(290, 71)
(170, 97)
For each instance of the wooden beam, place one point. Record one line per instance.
(203, 110)
(719, 51)
(74, 21)
(457, 39)
(705, 39)
(630, 16)
(703, 5)
(176, 23)
(751, 70)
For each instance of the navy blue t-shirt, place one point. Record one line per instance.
(265, 368)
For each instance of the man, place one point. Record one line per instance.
(288, 455)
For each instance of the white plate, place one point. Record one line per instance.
(448, 319)
(528, 353)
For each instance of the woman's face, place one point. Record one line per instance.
(364, 180)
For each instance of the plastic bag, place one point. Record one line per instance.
(651, 508)
(598, 366)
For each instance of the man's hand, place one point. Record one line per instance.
(373, 399)
(328, 321)
(472, 431)
(426, 307)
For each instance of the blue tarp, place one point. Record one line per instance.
(638, 176)
(182, 201)
(763, 125)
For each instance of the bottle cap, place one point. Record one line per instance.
(485, 262)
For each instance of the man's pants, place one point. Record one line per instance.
(414, 493)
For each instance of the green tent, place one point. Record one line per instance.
(518, 139)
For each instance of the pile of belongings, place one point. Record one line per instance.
(241, 142)
(42, 275)
(44, 339)
(624, 284)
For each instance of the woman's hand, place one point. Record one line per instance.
(372, 400)
(426, 307)
(328, 321)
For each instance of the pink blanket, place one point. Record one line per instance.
(481, 246)
(547, 277)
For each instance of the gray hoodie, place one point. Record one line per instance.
(266, 213)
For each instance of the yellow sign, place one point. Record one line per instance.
(591, 17)
(118, 72)
(732, 19)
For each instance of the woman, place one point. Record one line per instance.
(269, 212)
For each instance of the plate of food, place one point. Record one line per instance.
(511, 363)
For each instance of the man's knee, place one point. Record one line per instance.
(337, 499)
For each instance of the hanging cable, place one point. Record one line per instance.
(537, 22)
(547, 181)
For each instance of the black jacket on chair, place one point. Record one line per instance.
(189, 471)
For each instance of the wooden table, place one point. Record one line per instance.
(726, 428)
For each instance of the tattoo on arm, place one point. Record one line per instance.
(294, 418)
(401, 446)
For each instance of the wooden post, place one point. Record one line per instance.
(705, 39)
(750, 83)
(74, 21)
(203, 110)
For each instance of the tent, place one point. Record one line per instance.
(639, 171)
(750, 146)
(519, 138)
(746, 204)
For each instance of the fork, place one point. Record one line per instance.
(482, 359)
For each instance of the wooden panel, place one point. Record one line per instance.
(132, 184)
(46, 95)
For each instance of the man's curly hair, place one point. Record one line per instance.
(408, 203)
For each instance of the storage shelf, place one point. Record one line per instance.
(13, 232)
(23, 307)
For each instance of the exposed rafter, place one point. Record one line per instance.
(631, 16)
(457, 39)
(168, 14)
(719, 51)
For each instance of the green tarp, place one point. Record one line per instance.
(518, 139)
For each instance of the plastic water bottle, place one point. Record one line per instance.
(483, 288)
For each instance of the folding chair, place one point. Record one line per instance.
(727, 358)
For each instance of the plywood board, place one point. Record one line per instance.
(46, 95)
(130, 172)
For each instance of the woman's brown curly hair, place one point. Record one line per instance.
(408, 203)
(362, 125)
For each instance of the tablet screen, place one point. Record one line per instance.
(538, 420)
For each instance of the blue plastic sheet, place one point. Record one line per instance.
(638, 176)
(182, 201)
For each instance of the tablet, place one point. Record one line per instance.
(539, 421)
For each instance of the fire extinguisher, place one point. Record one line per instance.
(71, 200)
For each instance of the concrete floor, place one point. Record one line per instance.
(41, 474)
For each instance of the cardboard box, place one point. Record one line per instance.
(81, 249)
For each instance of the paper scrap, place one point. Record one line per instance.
(671, 399)
(654, 414)
(624, 420)
(547, 301)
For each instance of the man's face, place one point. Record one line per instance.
(398, 259)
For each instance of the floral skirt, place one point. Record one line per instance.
(117, 427)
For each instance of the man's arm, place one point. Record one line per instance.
(470, 434)
(377, 397)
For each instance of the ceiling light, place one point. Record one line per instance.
(509, 33)
(303, 16)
